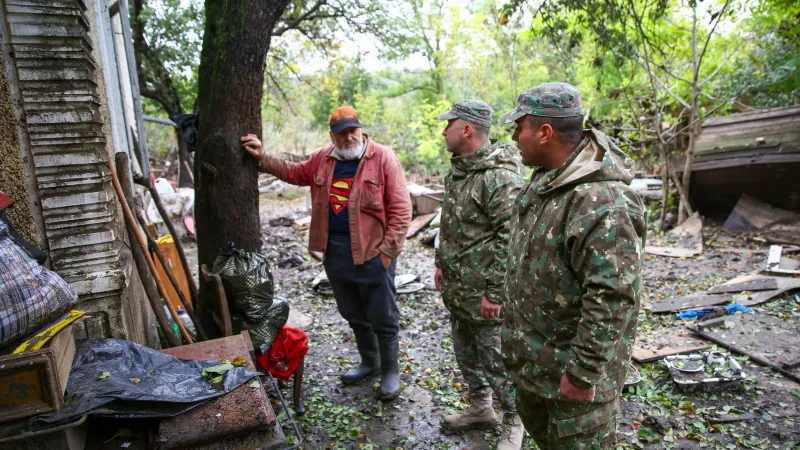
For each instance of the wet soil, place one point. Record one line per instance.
(653, 415)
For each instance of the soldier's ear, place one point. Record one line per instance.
(548, 133)
(468, 130)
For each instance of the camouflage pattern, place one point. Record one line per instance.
(564, 425)
(479, 193)
(472, 111)
(477, 349)
(547, 100)
(573, 283)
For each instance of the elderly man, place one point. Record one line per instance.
(360, 214)
(480, 189)
(573, 284)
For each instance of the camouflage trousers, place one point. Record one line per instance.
(477, 349)
(565, 425)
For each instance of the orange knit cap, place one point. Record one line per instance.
(342, 118)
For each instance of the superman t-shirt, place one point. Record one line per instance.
(342, 182)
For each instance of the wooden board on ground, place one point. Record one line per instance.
(753, 214)
(419, 223)
(751, 282)
(657, 344)
(785, 284)
(689, 302)
(688, 240)
(646, 355)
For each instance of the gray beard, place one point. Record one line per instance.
(349, 153)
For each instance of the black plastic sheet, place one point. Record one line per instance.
(122, 379)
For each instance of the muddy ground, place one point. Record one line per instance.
(654, 415)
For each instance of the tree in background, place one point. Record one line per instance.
(166, 42)
(670, 59)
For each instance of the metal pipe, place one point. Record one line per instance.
(167, 122)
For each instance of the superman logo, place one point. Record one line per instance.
(340, 193)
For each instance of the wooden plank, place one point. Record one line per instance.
(689, 302)
(646, 355)
(753, 214)
(784, 285)
(419, 223)
(671, 251)
(746, 283)
(689, 237)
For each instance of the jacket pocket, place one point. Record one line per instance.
(372, 195)
(320, 192)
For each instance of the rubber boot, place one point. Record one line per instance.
(511, 432)
(390, 369)
(367, 345)
(480, 414)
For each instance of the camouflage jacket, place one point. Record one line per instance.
(573, 281)
(479, 193)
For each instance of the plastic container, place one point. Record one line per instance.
(187, 322)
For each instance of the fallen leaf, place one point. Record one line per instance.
(216, 380)
(104, 375)
(255, 384)
(135, 380)
(239, 362)
(218, 370)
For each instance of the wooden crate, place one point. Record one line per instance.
(34, 382)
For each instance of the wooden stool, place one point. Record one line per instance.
(222, 317)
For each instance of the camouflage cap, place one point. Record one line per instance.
(547, 100)
(472, 111)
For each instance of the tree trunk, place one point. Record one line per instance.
(664, 185)
(230, 89)
(184, 177)
(693, 125)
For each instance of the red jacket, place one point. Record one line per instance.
(379, 205)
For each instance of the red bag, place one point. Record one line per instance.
(282, 359)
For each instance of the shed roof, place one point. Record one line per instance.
(776, 128)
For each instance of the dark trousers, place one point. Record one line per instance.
(365, 294)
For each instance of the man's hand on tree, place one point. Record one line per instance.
(571, 392)
(489, 310)
(252, 144)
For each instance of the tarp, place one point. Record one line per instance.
(122, 379)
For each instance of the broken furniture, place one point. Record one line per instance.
(243, 418)
(221, 316)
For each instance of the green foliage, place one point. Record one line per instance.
(630, 59)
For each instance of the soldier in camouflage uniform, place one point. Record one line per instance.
(480, 188)
(573, 284)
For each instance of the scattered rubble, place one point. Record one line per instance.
(684, 241)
